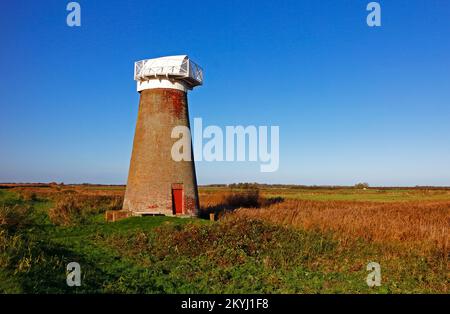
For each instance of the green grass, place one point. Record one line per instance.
(363, 195)
(179, 255)
(349, 194)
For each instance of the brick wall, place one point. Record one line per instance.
(152, 171)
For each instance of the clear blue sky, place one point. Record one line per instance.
(353, 103)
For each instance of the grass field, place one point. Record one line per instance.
(347, 194)
(308, 240)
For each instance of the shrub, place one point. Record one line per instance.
(247, 198)
(265, 202)
(29, 196)
(362, 185)
(72, 207)
(225, 202)
(115, 203)
(95, 204)
(67, 211)
(14, 216)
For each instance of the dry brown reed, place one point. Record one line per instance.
(419, 225)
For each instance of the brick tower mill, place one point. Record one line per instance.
(157, 184)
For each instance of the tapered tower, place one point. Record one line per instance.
(157, 184)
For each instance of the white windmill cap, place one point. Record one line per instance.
(178, 72)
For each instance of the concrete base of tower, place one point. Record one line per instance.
(116, 215)
(143, 214)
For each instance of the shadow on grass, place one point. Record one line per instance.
(102, 270)
(234, 201)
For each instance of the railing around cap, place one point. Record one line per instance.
(188, 69)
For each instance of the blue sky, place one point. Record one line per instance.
(353, 103)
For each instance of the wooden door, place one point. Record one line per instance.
(177, 201)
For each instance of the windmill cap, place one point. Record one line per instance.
(177, 69)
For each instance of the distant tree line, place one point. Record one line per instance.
(361, 185)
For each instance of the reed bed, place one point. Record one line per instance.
(416, 225)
